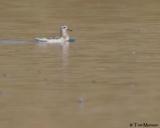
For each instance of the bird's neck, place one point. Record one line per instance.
(64, 34)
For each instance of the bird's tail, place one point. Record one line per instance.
(41, 39)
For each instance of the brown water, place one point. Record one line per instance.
(109, 78)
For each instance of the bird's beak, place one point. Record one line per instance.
(69, 29)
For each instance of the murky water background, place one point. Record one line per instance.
(108, 78)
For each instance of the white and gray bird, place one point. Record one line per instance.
(64, 37)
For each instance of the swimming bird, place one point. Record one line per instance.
(64, 37)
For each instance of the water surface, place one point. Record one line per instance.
(108, 78)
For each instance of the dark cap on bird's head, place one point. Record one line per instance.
(65, 27)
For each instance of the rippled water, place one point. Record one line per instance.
(108, 78)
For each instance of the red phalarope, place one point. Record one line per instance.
(64, 37)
